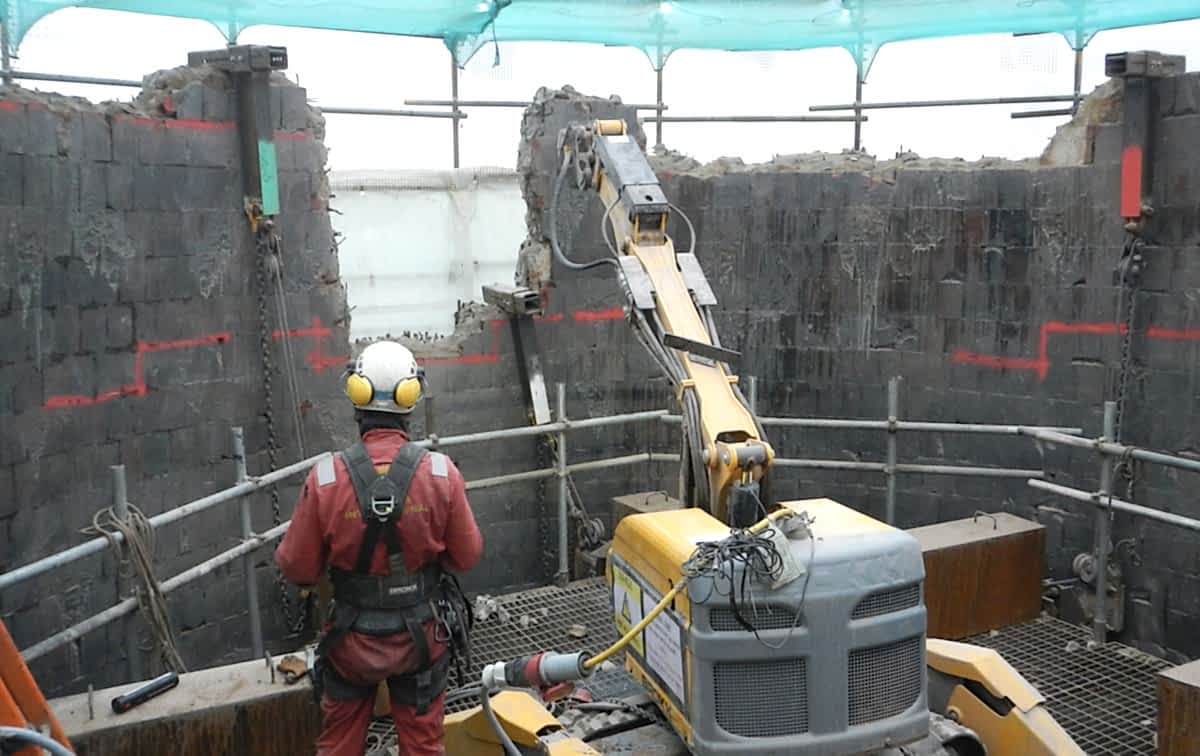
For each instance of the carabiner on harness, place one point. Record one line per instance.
(383, 506)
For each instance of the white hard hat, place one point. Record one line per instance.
(385, 378)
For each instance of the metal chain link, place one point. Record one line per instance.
(545, 457)
(1131, 269)
(294, 619)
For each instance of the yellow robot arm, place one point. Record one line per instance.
(726, 455)
(977, 688)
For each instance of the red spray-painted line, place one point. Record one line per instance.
(1042, 364)
(196, 124)
(1174, 334)
(316, 358)
(10, 106)
(138, 387)
(484, 358)
(615, 313)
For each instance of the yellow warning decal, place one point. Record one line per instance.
(627, 606)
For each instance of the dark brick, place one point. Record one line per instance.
(60, 334)
(8, 493)
(42, 137)
(50, 182)
(119, 183)
(217, 148)
(73, 376)
(119, 326)
(97, 137)
(11, 181)
(14, 128)
(293, 108)
(189, 102)
(219, 105)
(1186, 100)
(18, 339)
(93, 186)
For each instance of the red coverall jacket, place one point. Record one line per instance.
(437, 525)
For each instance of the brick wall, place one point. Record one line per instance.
(129, 335)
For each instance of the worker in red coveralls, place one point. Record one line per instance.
(392, 524)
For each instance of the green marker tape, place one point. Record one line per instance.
(268, 173)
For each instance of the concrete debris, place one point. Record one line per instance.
(577, 631)
(1073, 646)
(525, 621)
(1071, 142)
(485, 607)
(537, 166)
(470, 319)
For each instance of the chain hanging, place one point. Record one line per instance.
(1131, 266)
(266, 245)
(545, 456)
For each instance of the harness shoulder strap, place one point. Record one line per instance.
(380, 497)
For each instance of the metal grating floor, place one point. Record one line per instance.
(530, 621)
(1104, 697)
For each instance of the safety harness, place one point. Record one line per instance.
(400, 602)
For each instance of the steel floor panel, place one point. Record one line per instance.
(1104, 697)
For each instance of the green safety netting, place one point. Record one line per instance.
(657, 28)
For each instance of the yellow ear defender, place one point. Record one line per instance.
(361, 391)
(407, 393)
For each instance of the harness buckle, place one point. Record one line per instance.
(383, 506)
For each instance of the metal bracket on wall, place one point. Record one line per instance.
(251, 67)
(1084, 566)
(1138, 70)
(520, 305)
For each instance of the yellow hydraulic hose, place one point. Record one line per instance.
(666, 600)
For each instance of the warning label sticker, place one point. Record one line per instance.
(664, 649)
(627, 606)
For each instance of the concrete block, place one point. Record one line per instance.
(42, 137)
(217, 148)
(73, 376)
(1186, 100)
(152, 453)
(11, 178)
(219, 105)
(126, 135)
(60, 332)
(293, 108)
(189, 101)
(93, 186)
(119, 181)
(1181, 634)
(50, 182)
(185, 366)
(118, 327)
(96, 137)
(14, 128)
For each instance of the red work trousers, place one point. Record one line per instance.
(366, 660)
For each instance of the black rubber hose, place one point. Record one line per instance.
(617, 729)
(14, 739)
(510, 747)
(552, 227)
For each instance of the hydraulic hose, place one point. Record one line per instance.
(14, 739)
(666, 600)
(634, 631)
(552, 226)
(510, 748)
